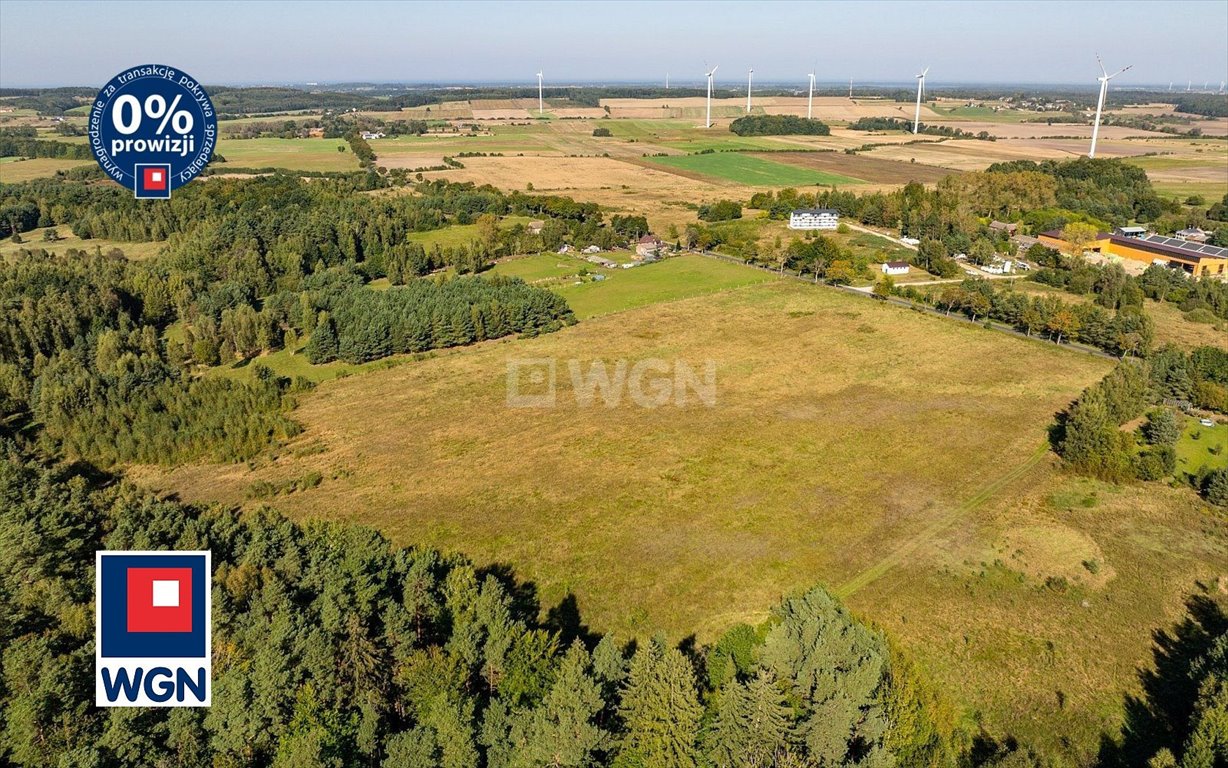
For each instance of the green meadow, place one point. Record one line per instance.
(751, 170)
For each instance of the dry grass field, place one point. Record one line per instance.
(14, 169)
(851, 443)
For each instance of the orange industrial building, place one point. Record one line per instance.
(1194, 258)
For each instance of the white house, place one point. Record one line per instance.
(1194, 235)
(368, 135)
(814, 218)
(895, 268)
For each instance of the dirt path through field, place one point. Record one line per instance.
(931, 531)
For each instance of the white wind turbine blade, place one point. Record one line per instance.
(1103, 71)
(1118, 72)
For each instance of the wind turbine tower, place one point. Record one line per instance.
(916, 120)
(708, 119)
(749, 75)
(1104, 78)
(541, 104)
(850, 87)
(810, 98)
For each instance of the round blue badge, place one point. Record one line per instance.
(153, 129)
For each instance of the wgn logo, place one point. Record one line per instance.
(153, 629)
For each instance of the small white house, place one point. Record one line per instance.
(895, 268)
(814, 218)
(368, 135)
(1194, 235)
(910, 241)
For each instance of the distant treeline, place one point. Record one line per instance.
(234, 102)
(778, 125)
(12, 146)
(1208, 104)
(900, 124)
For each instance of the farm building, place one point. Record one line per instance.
(535, 226)
(1002, 226)
(814, 218)
(895, 268)
(1130, 231)
(1193, 258)
(649, 247)
(367, 135)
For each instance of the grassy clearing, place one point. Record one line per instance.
(749, 169)
(291, 154)
(1201, 446)
(675, 278)
(459, 234)
(33, 240)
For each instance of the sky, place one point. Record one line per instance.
(1036, 41)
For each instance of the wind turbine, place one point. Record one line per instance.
(1104, 78)
(540, 103)
(810, 98)
(1221, 86)
(916, 121)
(850, 87)
(667, 81)
(749, 76)
(708, 119)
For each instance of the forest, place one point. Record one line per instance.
(778, 125)
(104, 352)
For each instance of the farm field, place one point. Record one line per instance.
(673, 505)
(751, 170)
(867, 167)
(16, 169)
(292, 154)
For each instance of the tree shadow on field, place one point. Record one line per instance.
(564, 619)
(1160, 716)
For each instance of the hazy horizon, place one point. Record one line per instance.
(475, 43)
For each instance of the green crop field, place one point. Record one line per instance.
(291, 154)
(749, 169)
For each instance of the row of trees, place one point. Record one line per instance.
(333, 648)
(1127, 332)
(900, 124)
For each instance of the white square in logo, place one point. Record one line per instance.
(165, 594)
(156, 176)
